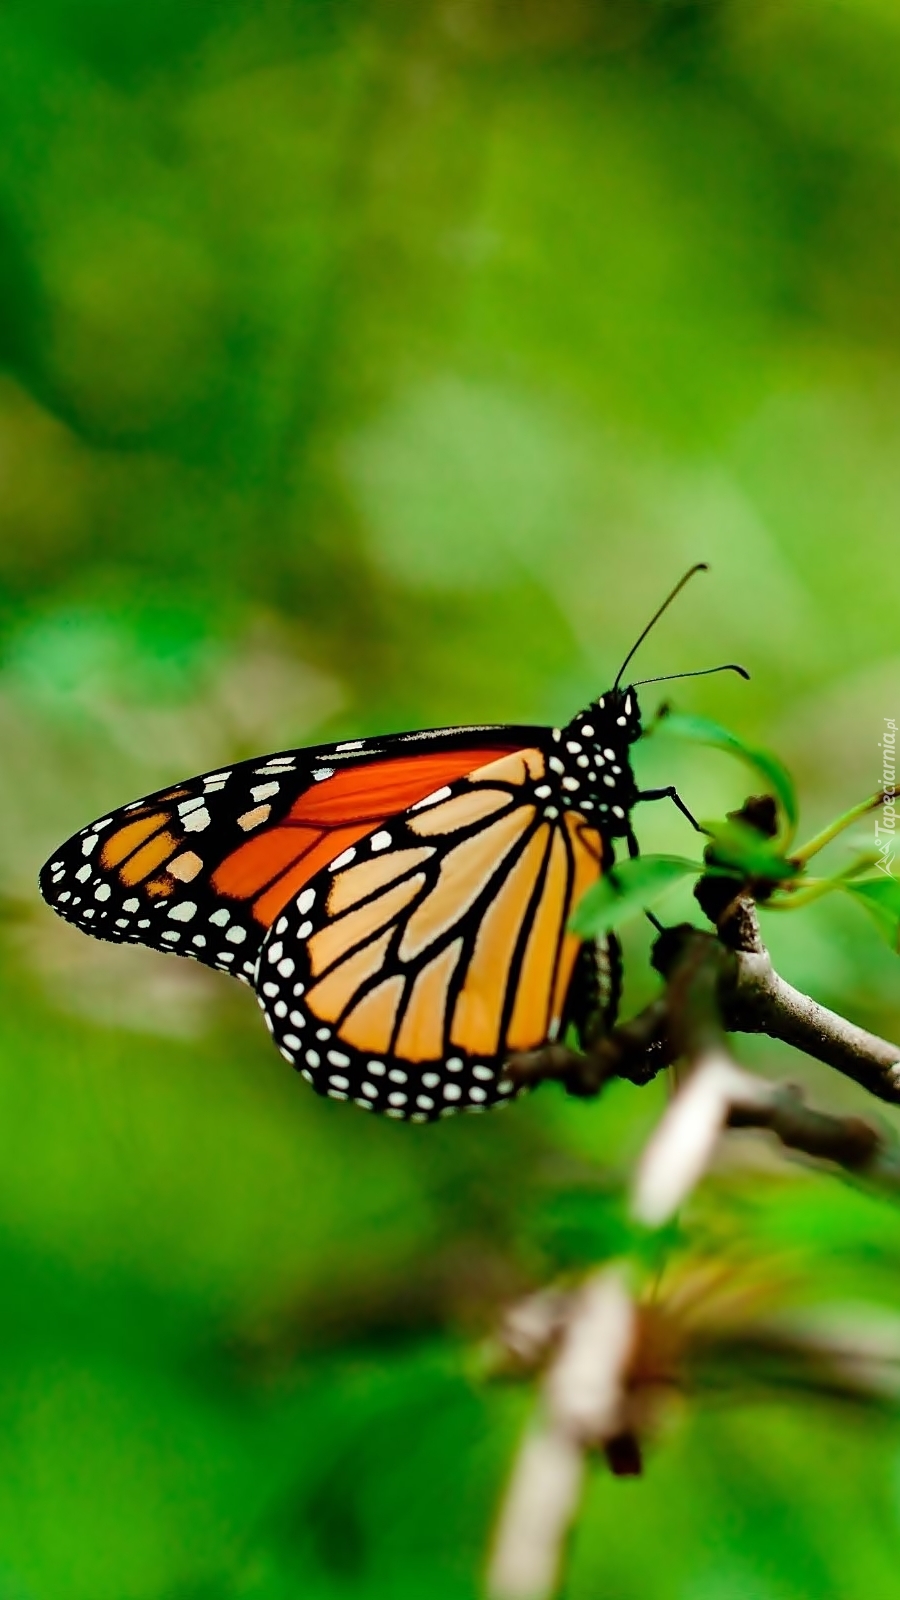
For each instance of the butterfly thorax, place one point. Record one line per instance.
(592, 760)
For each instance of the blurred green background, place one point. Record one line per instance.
(378, 365)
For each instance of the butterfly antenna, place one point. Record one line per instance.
(704, 672)
(700, 566)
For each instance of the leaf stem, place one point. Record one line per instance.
(819, 840)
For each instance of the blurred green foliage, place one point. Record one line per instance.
(372, 365)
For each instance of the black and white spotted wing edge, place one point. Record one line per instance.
(461, 1081)
(206, 813)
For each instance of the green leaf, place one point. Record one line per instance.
(702, 731)
(628, 890)
(579, 1227)
(749, 852)
(881, 898)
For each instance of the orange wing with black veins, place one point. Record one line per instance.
(408, 969)
(203, 868)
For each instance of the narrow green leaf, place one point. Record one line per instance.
(837, 826)
(628, 890)
(881, 898)
(702, 731)
(863, 863)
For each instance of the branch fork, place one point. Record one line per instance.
(606, 1355)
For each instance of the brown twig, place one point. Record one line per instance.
(849, 1142)
(752, 998)
(592, 1340)
(721, 1094)
(762, 1002)
(759, 1000)
(717, 982)
(585, 1405)
(637, 1050)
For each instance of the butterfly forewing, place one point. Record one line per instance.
(409, 968)
(204, 868)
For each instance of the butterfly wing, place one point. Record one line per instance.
(412, 965)
(204, 867)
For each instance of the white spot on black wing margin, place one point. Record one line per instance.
(399, 1089)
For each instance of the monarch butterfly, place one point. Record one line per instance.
(399, 905)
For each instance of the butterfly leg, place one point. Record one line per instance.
(635, 850)
(671, 793)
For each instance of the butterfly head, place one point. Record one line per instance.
(617, 716)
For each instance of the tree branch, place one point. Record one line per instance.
(637, 1050)
(606, 1353)
(849, 1142)
(759, 1000)
(610, 1352)
(585, 1405)
(762, 1002)
(752, 998)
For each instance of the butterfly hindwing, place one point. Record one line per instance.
(410, 967)
(203, 868)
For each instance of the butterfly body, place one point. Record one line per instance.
(400, 906)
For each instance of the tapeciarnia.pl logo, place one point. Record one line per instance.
(885, 828)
